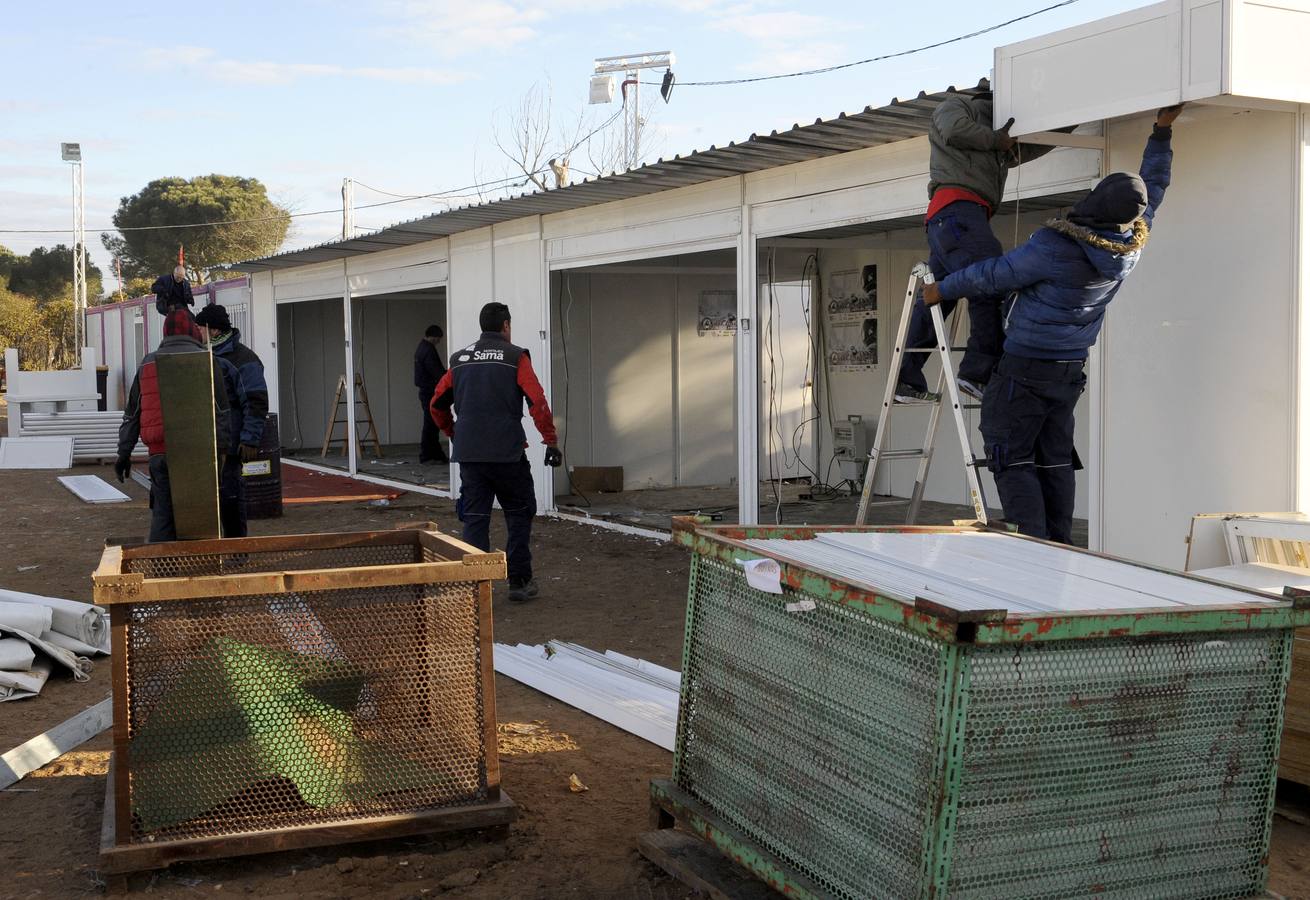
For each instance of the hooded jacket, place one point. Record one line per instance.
(254, 410)
(1064, 277)
(144, 418)
(965, 151)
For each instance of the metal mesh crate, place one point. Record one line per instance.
(307, 689)
(874, 744)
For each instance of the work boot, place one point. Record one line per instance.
(523, 589)
(907, 394)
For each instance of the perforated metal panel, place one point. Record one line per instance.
(248, 713)
(877, 761)
(1117, 768)
(816, 733)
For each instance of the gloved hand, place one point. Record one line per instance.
(249, 453)
(554, 457)
(123, 468)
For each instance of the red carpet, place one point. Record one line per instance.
(306, 486)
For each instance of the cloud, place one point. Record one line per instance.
(207, 61)
(458, 27)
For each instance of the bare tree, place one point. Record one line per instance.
(537, 143)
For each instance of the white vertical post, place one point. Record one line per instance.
(748, 412)
(1096, 413)
(351, 434)
(347, 209)
(1301, 298)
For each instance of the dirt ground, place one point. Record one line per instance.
(600, 589)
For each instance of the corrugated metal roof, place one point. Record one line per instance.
(897, 121)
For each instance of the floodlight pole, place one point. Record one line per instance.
(72, 154)
(631, 66)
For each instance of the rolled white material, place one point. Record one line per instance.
(19, 685)
(16, 654)
(89, 624)
(25, 617)
(80, 666)
(72, 644)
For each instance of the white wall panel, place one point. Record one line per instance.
(1198, 348)
(311, 358)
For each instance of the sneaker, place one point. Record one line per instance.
(973, 390)
(906, 394)
(520, 590)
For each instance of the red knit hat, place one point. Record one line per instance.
(180, 321)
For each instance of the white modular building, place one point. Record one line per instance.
(711, 323)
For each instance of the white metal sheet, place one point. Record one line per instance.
(36, 452)
(93, 489)
(1268, 577)
(973, 571)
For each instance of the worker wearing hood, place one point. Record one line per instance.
(1059, 284)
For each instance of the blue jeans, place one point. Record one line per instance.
(1027, 427)
(511, 484)
(958, 236)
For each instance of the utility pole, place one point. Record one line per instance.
(347, 209)
(602, 91)
(72, 154)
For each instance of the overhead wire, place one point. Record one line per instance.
(873, 59)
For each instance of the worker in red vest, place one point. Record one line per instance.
(144, 419)
(486, 387)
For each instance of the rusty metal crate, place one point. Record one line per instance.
(287, 691)
(849, 738)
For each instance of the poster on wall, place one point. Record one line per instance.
(853, 346)
(717, 313)
(852, 294)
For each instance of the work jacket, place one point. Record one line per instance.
(965, 150)
(253, 411)
(486, 386)
(144, 417)
(1063, 278)
(428, 368)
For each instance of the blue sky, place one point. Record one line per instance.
(402, 94)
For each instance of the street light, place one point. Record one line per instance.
(72, 153)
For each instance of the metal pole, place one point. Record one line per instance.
(636, 122)
(347, 209)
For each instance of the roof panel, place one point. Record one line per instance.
(870, 127)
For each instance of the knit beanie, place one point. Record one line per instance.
(180, 321)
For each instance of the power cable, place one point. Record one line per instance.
(502, 182)
(872, 59)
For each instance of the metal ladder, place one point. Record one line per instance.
(947, 390)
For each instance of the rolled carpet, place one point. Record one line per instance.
(88, 623)
(25, 617)
(16, 654)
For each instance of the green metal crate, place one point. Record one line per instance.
(879, 747)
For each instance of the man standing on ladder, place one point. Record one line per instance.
(968, 165)
(1063, 279)
(486, 386)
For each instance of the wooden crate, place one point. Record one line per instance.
(300, 690)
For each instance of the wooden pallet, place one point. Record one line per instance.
(119, 860)
(711, 856)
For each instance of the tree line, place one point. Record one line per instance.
(217, 219)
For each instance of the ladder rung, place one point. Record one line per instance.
(932, 349)
(916, 453)
(970, 406)
(979, 462)
(898, 501)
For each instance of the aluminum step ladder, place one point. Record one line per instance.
(948, 392)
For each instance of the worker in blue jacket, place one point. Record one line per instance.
(1058, 285)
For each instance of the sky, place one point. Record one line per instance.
(403, 95)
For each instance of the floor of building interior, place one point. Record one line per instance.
(398, 462)
(793, 505)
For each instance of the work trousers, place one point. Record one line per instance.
(232, 498)
(429, 448)
(162, 527)
(511, 484)
(1027, 427)
(958, 236)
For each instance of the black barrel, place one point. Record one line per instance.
(264, 488)
(102, 388)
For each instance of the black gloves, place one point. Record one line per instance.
(249, 453)
(554, 457)
(123, 468)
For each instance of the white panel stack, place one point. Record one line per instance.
(94, 433)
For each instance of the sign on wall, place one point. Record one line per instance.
(853, 320)
(717, 313)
